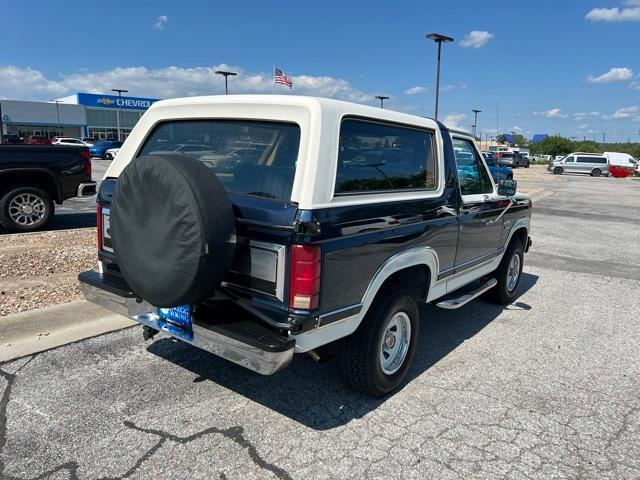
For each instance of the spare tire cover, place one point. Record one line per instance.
(171, 226)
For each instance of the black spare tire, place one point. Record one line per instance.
(171, 227)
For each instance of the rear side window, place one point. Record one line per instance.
(592, 160)
(378, 157)
(249, 157)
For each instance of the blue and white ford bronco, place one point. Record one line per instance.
(256, 227)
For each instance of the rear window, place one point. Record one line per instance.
(249, 157)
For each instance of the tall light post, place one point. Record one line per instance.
(57, 102)
(439, 39)
(382, 98)
(120, 92)
(226, 74)
(475, 121)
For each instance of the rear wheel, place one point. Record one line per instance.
(527, 165)
(508, 274)
(24, 209)
(558, 170)
(596, 172)
(375, 359)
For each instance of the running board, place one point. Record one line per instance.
(454, 303)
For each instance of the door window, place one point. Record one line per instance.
(569, 160)
(472, 173)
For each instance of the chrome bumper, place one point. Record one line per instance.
(248, 356)
(86, 189)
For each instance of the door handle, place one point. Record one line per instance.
(445, 210)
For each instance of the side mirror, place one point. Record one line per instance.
(507, 188)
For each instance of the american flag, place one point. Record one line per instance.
(281, 77)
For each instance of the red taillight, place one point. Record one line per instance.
(304, 292)
(99, 223)
(87, 160)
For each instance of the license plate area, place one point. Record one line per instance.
(179, 316)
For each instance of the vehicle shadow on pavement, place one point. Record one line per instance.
(313, 394)
(64, 221)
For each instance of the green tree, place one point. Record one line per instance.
(553, 146)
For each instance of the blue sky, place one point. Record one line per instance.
(542, 61)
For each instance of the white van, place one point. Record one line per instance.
(620, 159)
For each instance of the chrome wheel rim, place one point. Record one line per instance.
(394, 344)
(513, 274)
(26, 209)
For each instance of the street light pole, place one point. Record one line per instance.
(120, 92)
(58, 102)
(226, 74)
(382, 98)
(475, 121)
(439, 39)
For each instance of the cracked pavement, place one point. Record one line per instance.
(548, 387)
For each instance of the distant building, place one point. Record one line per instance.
(78, 115)
(538, 137)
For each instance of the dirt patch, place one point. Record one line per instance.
(40, 269)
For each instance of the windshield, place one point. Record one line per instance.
(249, 157)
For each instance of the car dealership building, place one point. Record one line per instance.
(79, 115)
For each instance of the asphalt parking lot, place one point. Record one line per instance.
(547, 387)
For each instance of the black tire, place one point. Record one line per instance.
(501, 293)
(35, 197)
(596, 172)
(527, 165)
(510, 176)
(172, 226)
(359, 353)
(558, 171)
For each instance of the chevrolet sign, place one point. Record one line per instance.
(113, 101)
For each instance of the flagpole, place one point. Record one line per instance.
(273, 78)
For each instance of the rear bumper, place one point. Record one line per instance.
(260, 351)
(86, 189)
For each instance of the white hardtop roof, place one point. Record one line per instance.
(311, 103)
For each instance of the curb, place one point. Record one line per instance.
(42, 329)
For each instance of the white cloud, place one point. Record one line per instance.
(635, 85)
(161, 22)
(615, 14)
(415, 90)
(616, 74)
(167, 82)
(476, 39)
(453, 119)
(583, 126)
(516, 130)
(584, 115)
(624, 113)
(553, 113)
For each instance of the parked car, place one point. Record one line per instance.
(498, 171)
(68, 141)
(11, 139)
(34, 178)
(592, 163)
(513, 159)
(111, 153)
(100, 148)
(302, 249)
(37, 140)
